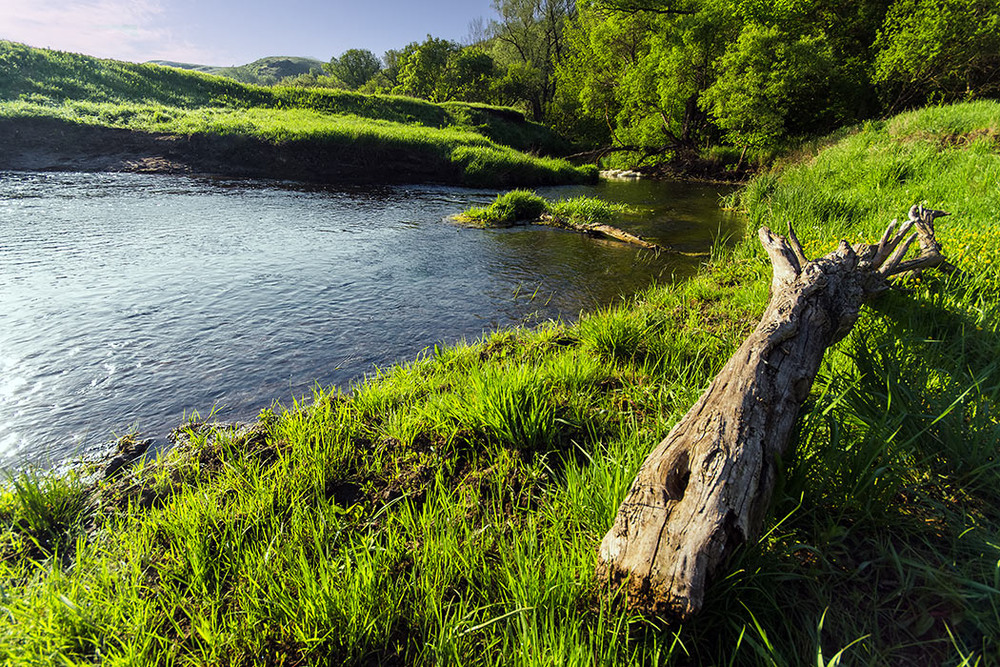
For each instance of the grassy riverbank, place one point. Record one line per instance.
(449, 510)
(379, 137)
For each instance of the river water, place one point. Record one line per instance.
(128, 301)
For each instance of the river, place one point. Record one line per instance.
(129, 301)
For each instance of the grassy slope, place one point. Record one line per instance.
(263, 71)
(449, 510)
(474, 141)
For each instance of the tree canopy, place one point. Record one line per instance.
(652, 79)
(355, 67)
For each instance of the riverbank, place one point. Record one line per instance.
(62, 111)
(51, 144)
(449, 509)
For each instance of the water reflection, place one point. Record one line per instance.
(132, 299)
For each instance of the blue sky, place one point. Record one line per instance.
(213, 32)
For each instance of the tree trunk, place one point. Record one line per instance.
(704, 490)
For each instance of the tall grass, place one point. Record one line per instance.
(447, 511)
(519, 206)
(471, 144)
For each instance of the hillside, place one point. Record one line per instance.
(67, 111)
(449, 510)
(264, 72)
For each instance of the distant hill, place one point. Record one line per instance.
(208, 69)
(265, 71)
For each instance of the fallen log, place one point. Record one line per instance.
(600, 230)
(704, 490)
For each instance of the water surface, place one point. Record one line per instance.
(129, 301)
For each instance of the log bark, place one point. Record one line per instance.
(704, 490)
(600, 230)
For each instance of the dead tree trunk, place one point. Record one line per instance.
(600, 230)
(704, 490)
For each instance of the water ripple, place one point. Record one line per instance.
(134, 299)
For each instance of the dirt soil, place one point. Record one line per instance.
(45, 144)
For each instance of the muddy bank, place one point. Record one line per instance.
(44, 144)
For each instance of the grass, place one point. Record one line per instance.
(518, 206)
(469, 144)
(448, 510)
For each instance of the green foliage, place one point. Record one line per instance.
(313, 80)
(660, 81)
(509, 208)
(421, 70)
(524, 205)
(765, 78)
(528, 42)
(938, 50)
(475, 145)
(355, 67)
(468, 76)
(441, 70)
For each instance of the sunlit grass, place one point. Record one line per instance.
(448, 510)
(516, 206)
(462, 143)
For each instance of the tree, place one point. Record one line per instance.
(762, 78)
(667, 77)
(945, 50)
(355, 67)
(640, 74)
(468, 76)
(420, 71)
(530, 37)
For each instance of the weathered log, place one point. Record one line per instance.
(705, 488)
(600, 230)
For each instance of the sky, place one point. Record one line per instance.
(214, 32)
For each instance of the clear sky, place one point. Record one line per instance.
(217, 32)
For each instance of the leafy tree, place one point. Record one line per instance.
(530, 37)
(639, 74)
(355, 67)
(517, 83)
(763, 79)
(468, 75)
(944, 50)
(441, 70)
(666, 77)
(421, 70)
(394, 59)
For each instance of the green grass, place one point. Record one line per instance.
(587, 209)
(470, 144)
(518, 206)
(448, 510)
